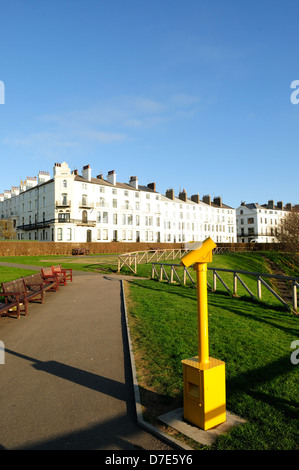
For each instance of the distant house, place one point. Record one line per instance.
(260, 223)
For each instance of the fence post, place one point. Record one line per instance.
(235, 284)
(295, 296)
(259, 288)
(214, 280)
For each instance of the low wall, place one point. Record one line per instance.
(35, 248)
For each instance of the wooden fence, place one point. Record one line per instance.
(131, 260)
(180, 274)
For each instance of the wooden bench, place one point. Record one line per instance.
(6, 308)
(80, 251)
(36, 286)
(50, 278)
(15, 295)
(65, 274)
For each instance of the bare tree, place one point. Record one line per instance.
(288, 233)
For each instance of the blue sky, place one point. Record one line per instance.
(191, 94)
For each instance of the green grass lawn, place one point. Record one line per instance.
(252, 339)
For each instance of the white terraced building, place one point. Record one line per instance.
(260, 223)
(79, 208)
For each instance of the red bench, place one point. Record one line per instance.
(65, 274)
(50, 278)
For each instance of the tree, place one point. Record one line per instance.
(288, 234)
(7, 229)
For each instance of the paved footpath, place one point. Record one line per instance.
(66, 383)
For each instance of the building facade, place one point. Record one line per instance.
(260, 223)
(70, 207)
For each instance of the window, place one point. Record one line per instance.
(63, 217)
(84, 200)
(69, 234)
(115, 219)
(84, 217)
(64, 199)
(59, 234)
(114, 203)
(250, 220)
(105, 234)
(105, 217)
(64, 183)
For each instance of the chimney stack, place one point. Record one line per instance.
(218, 201)
(195, 198)
(152, 186)
(183, 195)
(207, 199)
(280, 205)
(133, 182)
(271, 204)
(86, 173)
(111, 177)
(170, 194)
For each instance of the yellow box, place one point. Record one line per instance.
(204, 392)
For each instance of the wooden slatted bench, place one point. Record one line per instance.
(36, 286)
(10, 308)
(65, 274)
(15, 295)
(80, 251)
(50, 277)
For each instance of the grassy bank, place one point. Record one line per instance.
(252, 338)
(253, 341)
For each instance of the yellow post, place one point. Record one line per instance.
(204, 376)
(202, 313)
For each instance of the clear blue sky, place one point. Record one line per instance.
(190, 94)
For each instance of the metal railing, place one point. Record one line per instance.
(180, 274)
